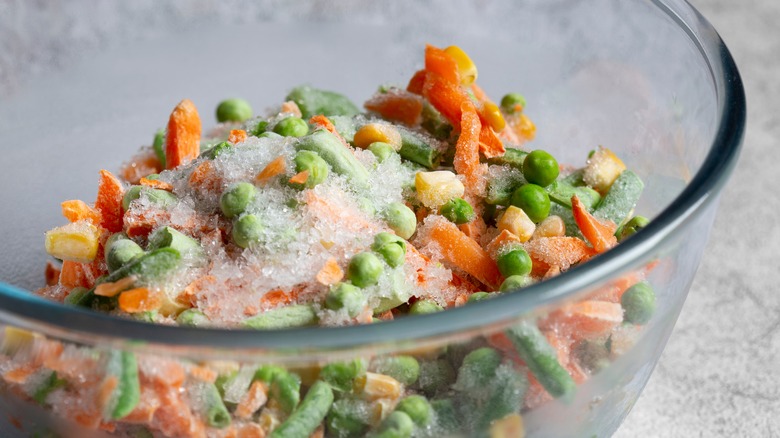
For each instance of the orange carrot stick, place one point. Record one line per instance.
(109, 201)
(489, 143)
(417, 82)
(446, 97)
(76, 210)
(600, 234)
(182, 142)
(466, 160)
(440, 63)
(404, 107)
(465, 253)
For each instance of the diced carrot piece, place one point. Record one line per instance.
(600, 234)
(277, 297)
(586, 319)
(52, 274)
(404, 107)
(440, 63)
(561, 251)
(139, 300)
(182, 141)
(474, 229)
(461, 283)
(330, 274)
(505, 238)
(75, 274)
(276, 167)
(237, 136)
(292, 108)
(204, 178)
(489, 143)
(190, 293)
(156, 184)
(109, 201)
(300, 177)
(143, 164)
(417, 82)
(76, 210)
(466, 160)
(252, 401)
(465, 253)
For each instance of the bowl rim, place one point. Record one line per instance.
(23, 309)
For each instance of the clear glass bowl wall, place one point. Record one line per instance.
(649, 80)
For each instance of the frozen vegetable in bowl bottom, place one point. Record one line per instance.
(553, 359)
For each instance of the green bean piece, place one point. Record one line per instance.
(234, 110)
(270, 134)
(52, 383)
(405, 369)
(192, 318)
(291, 127)
(364, 269)
(312, 102)
(416, 150)
(313, 409)
(340, 158)
(514, 262)
(541, 359)
(422, 307)
(621, 198)
(216, 150)
(435, 123)
(512, 157)
(348, 418)
(247, 231)
(297, 315)
(76, 295)
(381, 150)
(638, 303)
(478, 296)
(311, 162)
(267, 373)
(540, 168)
(169, 237)
(341, 375)
(534, 201)
(160, 198)
(511, 100)
(400, 219)
(345, 296)
(561, 192)
(477, 369)
(515, 282)
(457, 211)
(260, 128)
(158, 144)
(446, 417)
(574, 178)
(286, 390)
(210, 405)
(396, 425)
(345, 126)
(120, 251)
(122, 365)
(237, 198)
(417, 408)
(631, 227)
(392, 248)
(399, 293)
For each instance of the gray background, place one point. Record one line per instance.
(719, 373)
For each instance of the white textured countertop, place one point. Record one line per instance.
(720, 372)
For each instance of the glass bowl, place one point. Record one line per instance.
(651, 80)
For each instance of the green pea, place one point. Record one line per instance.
(341, 375)
(422, 307)
(534, 200)
(364, 269)
(119, 251)
(509, 101)
(400, 219)
(237, 198)
(348, 418)
(540, 168)
(345, 296)
(396, 425)
(638, 303)
(435, 376)
(169, 237)
(417, 408)
(260, 128)
(216, 150)
(381, 150)
(317, 167)
(631, 227)
(447, 418)
(478, 369)
(515, 282)
(391, 247)
(457, 211)
(405, 369)
(292, 127)
(191, 318)
(247, 231)
(515, 262)
(234, 110)
(478, 296)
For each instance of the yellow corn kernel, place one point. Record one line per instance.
(551, 226)
(76, 242)
(517, 222)
(375, 386)
(434, 189)
(603, 168)
(270, 417)
(380, 409)
(492, 114)
(510, 426)
(15, 339)
(466, 67)
(527, 128)
(374, 132)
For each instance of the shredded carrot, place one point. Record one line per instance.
(52, 274)
(156, 184)
(600, 234)
(292, 108)
(76, 210)
(139, 300)
(465, 253)
(276, 167)
(237, 136)
(417, 82)
(403, 106)
(109, 201)
(300, 177)
(182, 142)
(439, 62)
(330, 274)
(113, 289)
(466, 160)
(446, 97)
(252, 401)
(489, 143)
